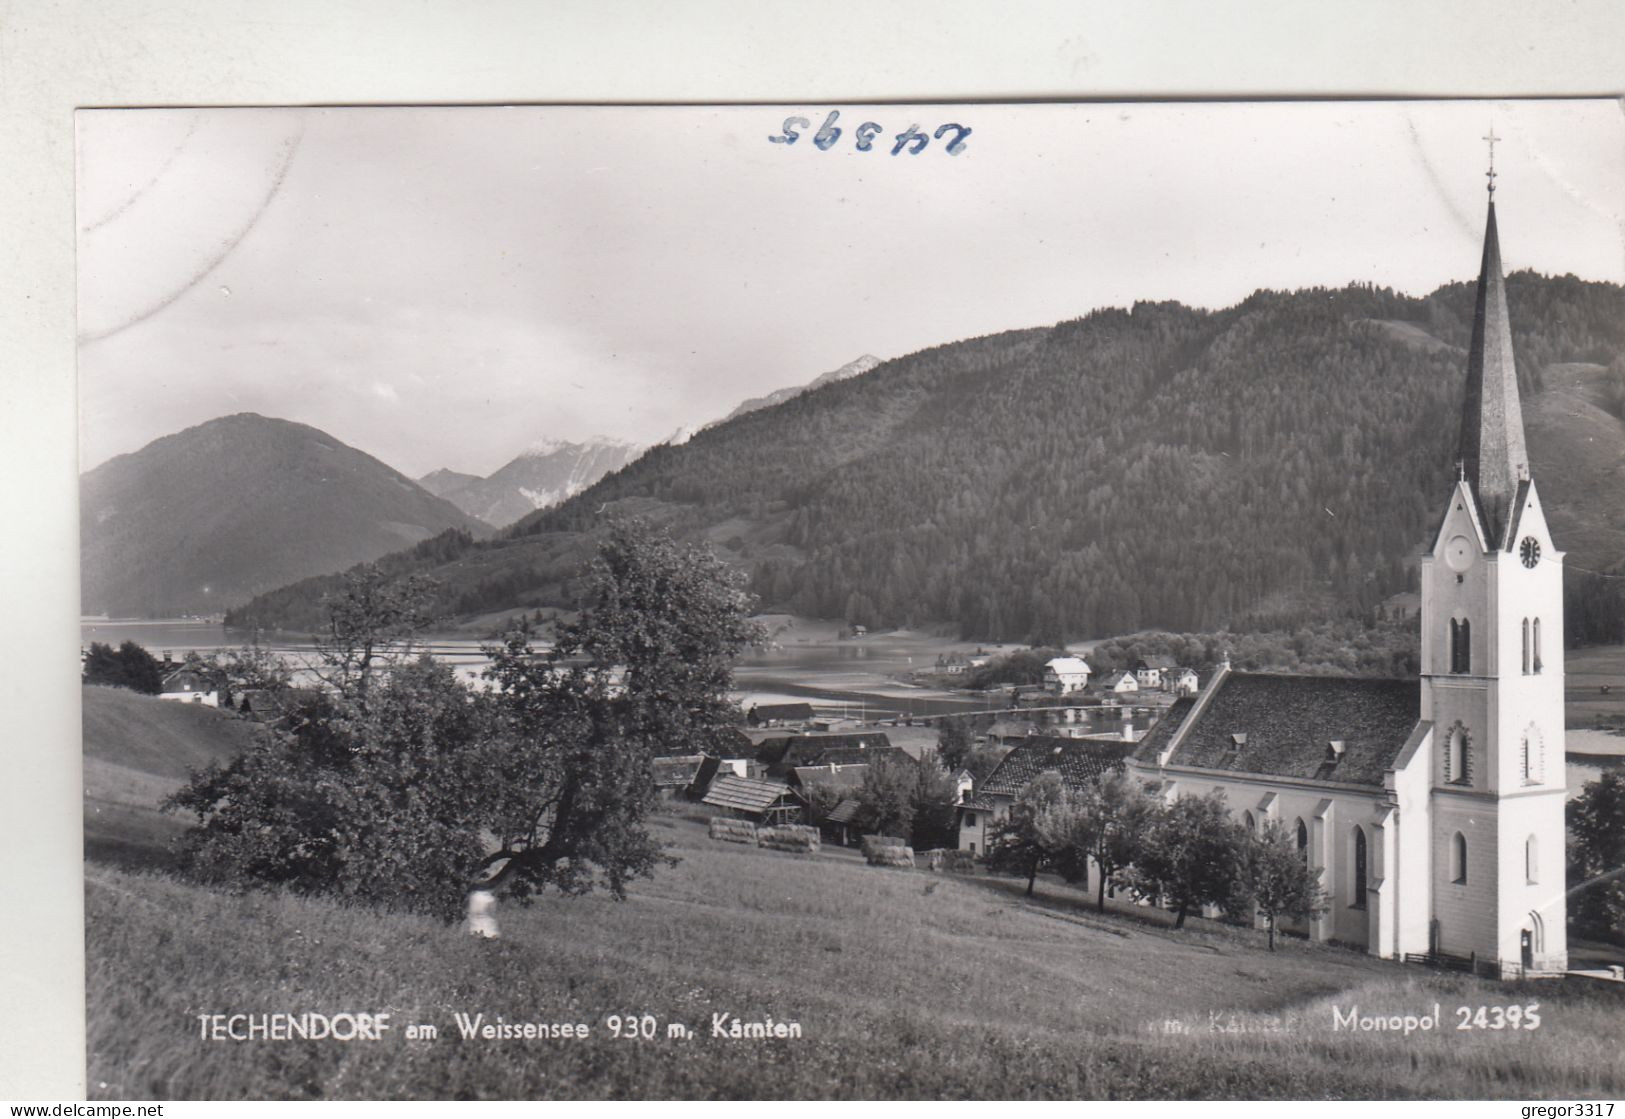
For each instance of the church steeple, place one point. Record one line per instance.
(1491, 450)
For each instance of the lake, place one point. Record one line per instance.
(836, 677)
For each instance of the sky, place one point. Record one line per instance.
(442, 287)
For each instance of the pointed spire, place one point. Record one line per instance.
(1492, 446)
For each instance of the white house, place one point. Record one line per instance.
(1183, 681)
(1433, 808)
(188, 686)
(1121, 683)
(1150, 671)
(1065, 675)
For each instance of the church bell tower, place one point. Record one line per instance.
(1492, 675)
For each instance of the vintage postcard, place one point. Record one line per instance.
(854, 601)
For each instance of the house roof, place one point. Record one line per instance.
(728, 791)
(807, 749)
(1283, 725)
(1117, 678)
(784, 711)
(679, 770)
(841, 777)
(1062, 665)
(1160, 661)
(1080, 762)
(843, 813)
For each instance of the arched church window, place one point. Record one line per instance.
(1303, 842)
(1461, 657)
(1536, 653)
(1458, 761)
(1247, 818)
(1531, 860)
(1526, 646)
(1458, 859)
(1359, 868)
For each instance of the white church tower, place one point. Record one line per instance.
(1492, 676)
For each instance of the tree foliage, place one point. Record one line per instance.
(887, 797)
(128, 666)
(1596, 826)
(1024, 840)
(1191, 856)
(1113, 819)
(1277, 879)
(388, 786)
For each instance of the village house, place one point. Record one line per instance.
(1149, 672)
(1182, 681)
(1433, 808)
(1120, 683)
(189, 686)
(1080, 763)
(778, 756)
(685, 775)
(779, 714)
(1065, 675)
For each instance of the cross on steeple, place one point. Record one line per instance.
(1493, 139)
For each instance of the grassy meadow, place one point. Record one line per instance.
(905, 984)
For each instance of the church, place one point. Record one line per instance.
(1434, 807)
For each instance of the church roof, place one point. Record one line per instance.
(1283, 726)
(1491, 448)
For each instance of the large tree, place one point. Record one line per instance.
(1023, 841)
(1191, 855)
(1277, 879)
(887, 798)
(128, 666)
(389, 785)
(1113, 817)
(644, 671)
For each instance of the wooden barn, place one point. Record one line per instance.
(766, 802)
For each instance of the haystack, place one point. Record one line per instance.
(789, 837)
(732, 830)
(886, 855)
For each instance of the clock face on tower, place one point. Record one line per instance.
(1458, 553)
(1529, 551)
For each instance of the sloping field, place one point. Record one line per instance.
(903, 984)
(137, 750)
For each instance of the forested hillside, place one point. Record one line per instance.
(1273, 462)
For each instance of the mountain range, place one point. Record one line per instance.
(1151, 466)
(544, 474)
(203, 519)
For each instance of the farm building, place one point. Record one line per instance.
(779, 714)
(1182, 681)
(841, 826)
(1080, 763)
(841, 778)
(778, 756)
(766, 802)
(685, 774)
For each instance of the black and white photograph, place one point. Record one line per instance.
(907, 600)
